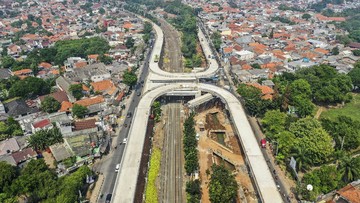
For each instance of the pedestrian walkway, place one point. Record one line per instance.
(97, 188)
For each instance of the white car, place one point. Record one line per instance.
(124, 141)
(117, 168)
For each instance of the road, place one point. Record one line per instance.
(172, 184)
(126, 184)
(172, 48)
(108, 163)
(172, 169)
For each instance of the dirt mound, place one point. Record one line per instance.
(212, 122)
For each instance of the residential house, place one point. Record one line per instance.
(41, 125)
(23, 73)
(64, 85)
(59, 96)
(18, 108)
(8, 146)
(94, 72)
(94, 104)
(245, 55)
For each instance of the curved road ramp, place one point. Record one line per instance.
(160, 82)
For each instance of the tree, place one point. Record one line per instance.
(349, 168)
(44, 138)
(344, 130)
(50, 105)
(194, 190)
(354, 74)
(303, 161)
(79, 111)
(255, 105)
(7, 61)
(105, 59)
(28, 87)
(304, 106)
(130, 42)
(300, 87)
(274, 123)
(356, 52)
(156, 108)
(216, 40)
(102, 11)
(286, 142)
(255, 66)
(223, 186)
(76, 90)
(7, 175)
(335, 50)
(191, 161)
(313, 139)
(323, 180)
(129, 78)
(306, 16)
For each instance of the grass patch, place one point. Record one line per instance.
(151, 193)
(220, 138)
(351, 109)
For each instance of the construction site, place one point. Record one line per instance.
(217, 144)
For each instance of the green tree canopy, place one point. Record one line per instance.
(129, 78)
(28, 87)
(44, 138)
(274, 123)
(223, 186)
(76, 90)
(349, 168)
(7, 174)
(7, 61)
(130, 42)
(313, 139)
(344, 130)
(327, 85)
(354, 74)
(50, 105)
(79, 111)
(306, 16)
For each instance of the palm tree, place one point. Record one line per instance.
(349, 168)
(302, 158)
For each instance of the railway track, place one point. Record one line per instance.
(172, 184)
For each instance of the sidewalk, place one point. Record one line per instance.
(96, 190)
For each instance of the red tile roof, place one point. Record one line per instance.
(90, 101)
(59, 96)
(42, 123)
(85, 124)
(65, 106)
(102, 85)
(24, 155)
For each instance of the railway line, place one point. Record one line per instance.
(172, 188)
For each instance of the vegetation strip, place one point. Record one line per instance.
(151, 193)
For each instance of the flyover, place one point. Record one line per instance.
(125, 185)
(159, 83)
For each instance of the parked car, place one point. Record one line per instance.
(124, 141)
